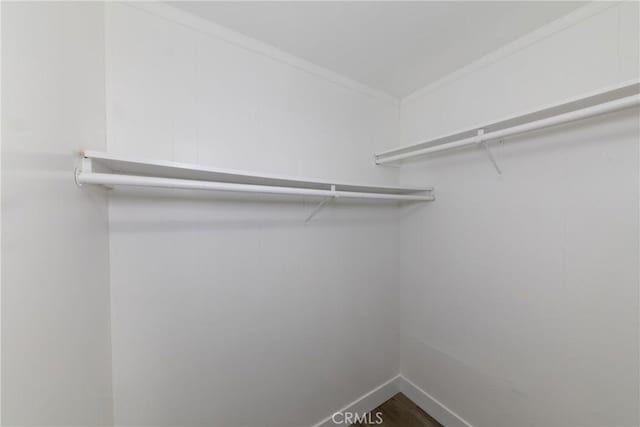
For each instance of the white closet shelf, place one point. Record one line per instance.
(111, 170)
(607, 100)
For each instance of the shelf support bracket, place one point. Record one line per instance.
(487, 150)
(389, 165)
(321, 205)
(86, 166)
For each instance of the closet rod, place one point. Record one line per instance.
(108, 179)
(596, 110)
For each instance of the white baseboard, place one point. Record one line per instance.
(430, 404)
(385, 391)
(365, 403)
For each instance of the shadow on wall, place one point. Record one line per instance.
(140, 210)
(593, 131)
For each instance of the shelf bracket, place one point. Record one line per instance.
(320, 206)
(389, 165)
(86, 166)
(487, 150)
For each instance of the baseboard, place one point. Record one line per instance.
(364, 403)
(430, 404)
(385, 391)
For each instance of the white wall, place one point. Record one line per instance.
(230, 311)
(520, 292)
(56, 364)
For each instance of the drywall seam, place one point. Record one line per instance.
(105, 117)
(509, 49)
(202, 25)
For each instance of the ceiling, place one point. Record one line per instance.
(394, 46)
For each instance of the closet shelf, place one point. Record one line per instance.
(110, 170)
(610, 99)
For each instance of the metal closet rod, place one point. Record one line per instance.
(108, 179)
(596, 110)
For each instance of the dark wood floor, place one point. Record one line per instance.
(399, 411)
